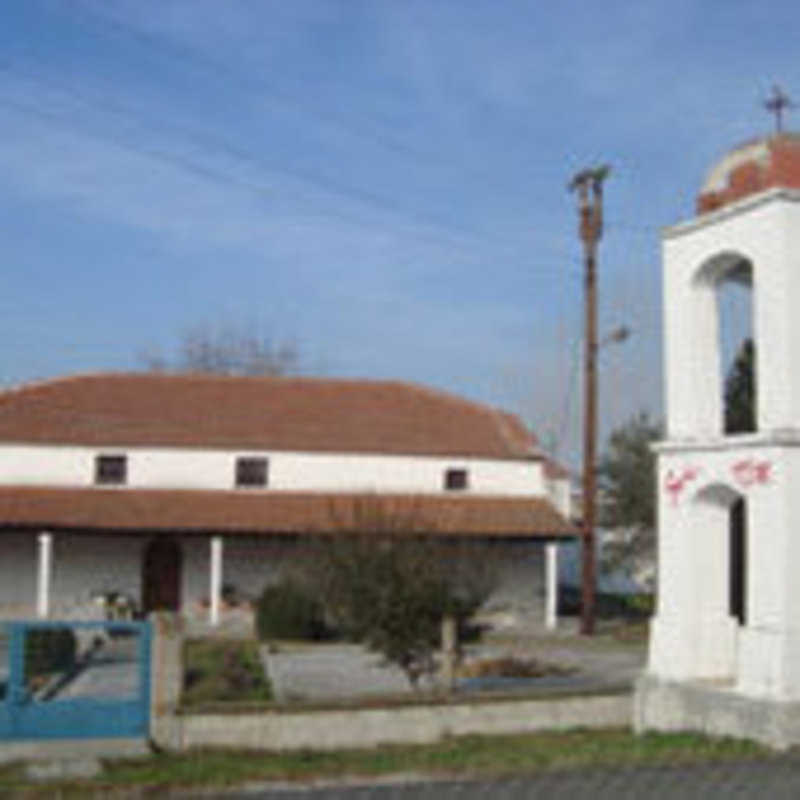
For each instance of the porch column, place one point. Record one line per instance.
(216, 580)
(45, 574)
(551, 585)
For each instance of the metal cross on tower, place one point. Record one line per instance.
(777, 104)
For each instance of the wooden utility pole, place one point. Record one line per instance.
(589, 186)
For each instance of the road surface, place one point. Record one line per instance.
(777, 779)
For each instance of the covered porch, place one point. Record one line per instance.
(94, 553)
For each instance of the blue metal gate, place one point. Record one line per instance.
(74, 680)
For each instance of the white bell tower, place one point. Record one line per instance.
(725, 641)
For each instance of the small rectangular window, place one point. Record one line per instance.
(110, 469)
(251, 472)
(455, 480)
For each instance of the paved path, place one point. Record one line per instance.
(774, 779)
(330, 671)
(325, 672)
(112, 673)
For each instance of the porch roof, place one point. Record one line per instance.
(288, 513)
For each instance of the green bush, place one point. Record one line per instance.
(287, 610)
(49, 650)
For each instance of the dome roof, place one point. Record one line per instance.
(751, 168)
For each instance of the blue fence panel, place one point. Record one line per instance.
(76, 680)
(5, 715)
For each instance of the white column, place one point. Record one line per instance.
(45, 574)
(551, 585)
(216, 580)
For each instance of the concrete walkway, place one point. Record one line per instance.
(330, 672)
(111, 672)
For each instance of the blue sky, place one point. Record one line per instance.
(381, 181)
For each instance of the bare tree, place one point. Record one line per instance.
(228, 350)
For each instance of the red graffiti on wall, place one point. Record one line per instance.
(675, 481)
(749, 472)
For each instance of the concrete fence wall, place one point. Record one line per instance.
(281, 729)
(331, 730)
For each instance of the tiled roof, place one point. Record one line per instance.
(283, 413)
(752, 167)
(149, 510)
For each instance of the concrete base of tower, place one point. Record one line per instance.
(716, 709)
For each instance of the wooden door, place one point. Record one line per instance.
(161, 576)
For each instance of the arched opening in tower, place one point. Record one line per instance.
(729, 276)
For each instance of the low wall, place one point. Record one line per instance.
(714, 710)
(350, 728)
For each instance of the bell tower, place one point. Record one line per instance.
(727, 623)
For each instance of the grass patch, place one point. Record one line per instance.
(223, 670)
(458, 756)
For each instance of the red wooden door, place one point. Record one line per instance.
(161, 576)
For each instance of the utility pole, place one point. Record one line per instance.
(589, 186)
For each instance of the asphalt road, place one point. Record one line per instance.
(777, 779)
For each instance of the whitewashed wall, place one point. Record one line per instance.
(209, 469)
(17, 575)
(559, 491)
(693, 636)
(83, 566)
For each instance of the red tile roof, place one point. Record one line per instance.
(752, 167)
(283, 413)
(229, 512)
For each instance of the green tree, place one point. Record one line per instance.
(740, 391)
(627, 485)
(387, 584)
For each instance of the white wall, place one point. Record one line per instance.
(83, 565)
(87, 564)
(17, 575)
(693, 635)
(209, 469)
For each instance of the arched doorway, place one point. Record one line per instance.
(737, 566)
(161, 576)
(721, 513)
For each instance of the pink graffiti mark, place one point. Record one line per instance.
(676, 480)
(750, 472)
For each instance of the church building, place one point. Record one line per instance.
(192, 492)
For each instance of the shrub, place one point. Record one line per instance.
(287, 610)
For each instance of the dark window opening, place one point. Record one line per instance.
(251, 472)
(110, 469)
(737, 603)
(455, 479)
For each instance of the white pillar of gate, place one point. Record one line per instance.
(44, 574)
(216, 580)
(551, 585)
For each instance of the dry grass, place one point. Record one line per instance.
(512, 667)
